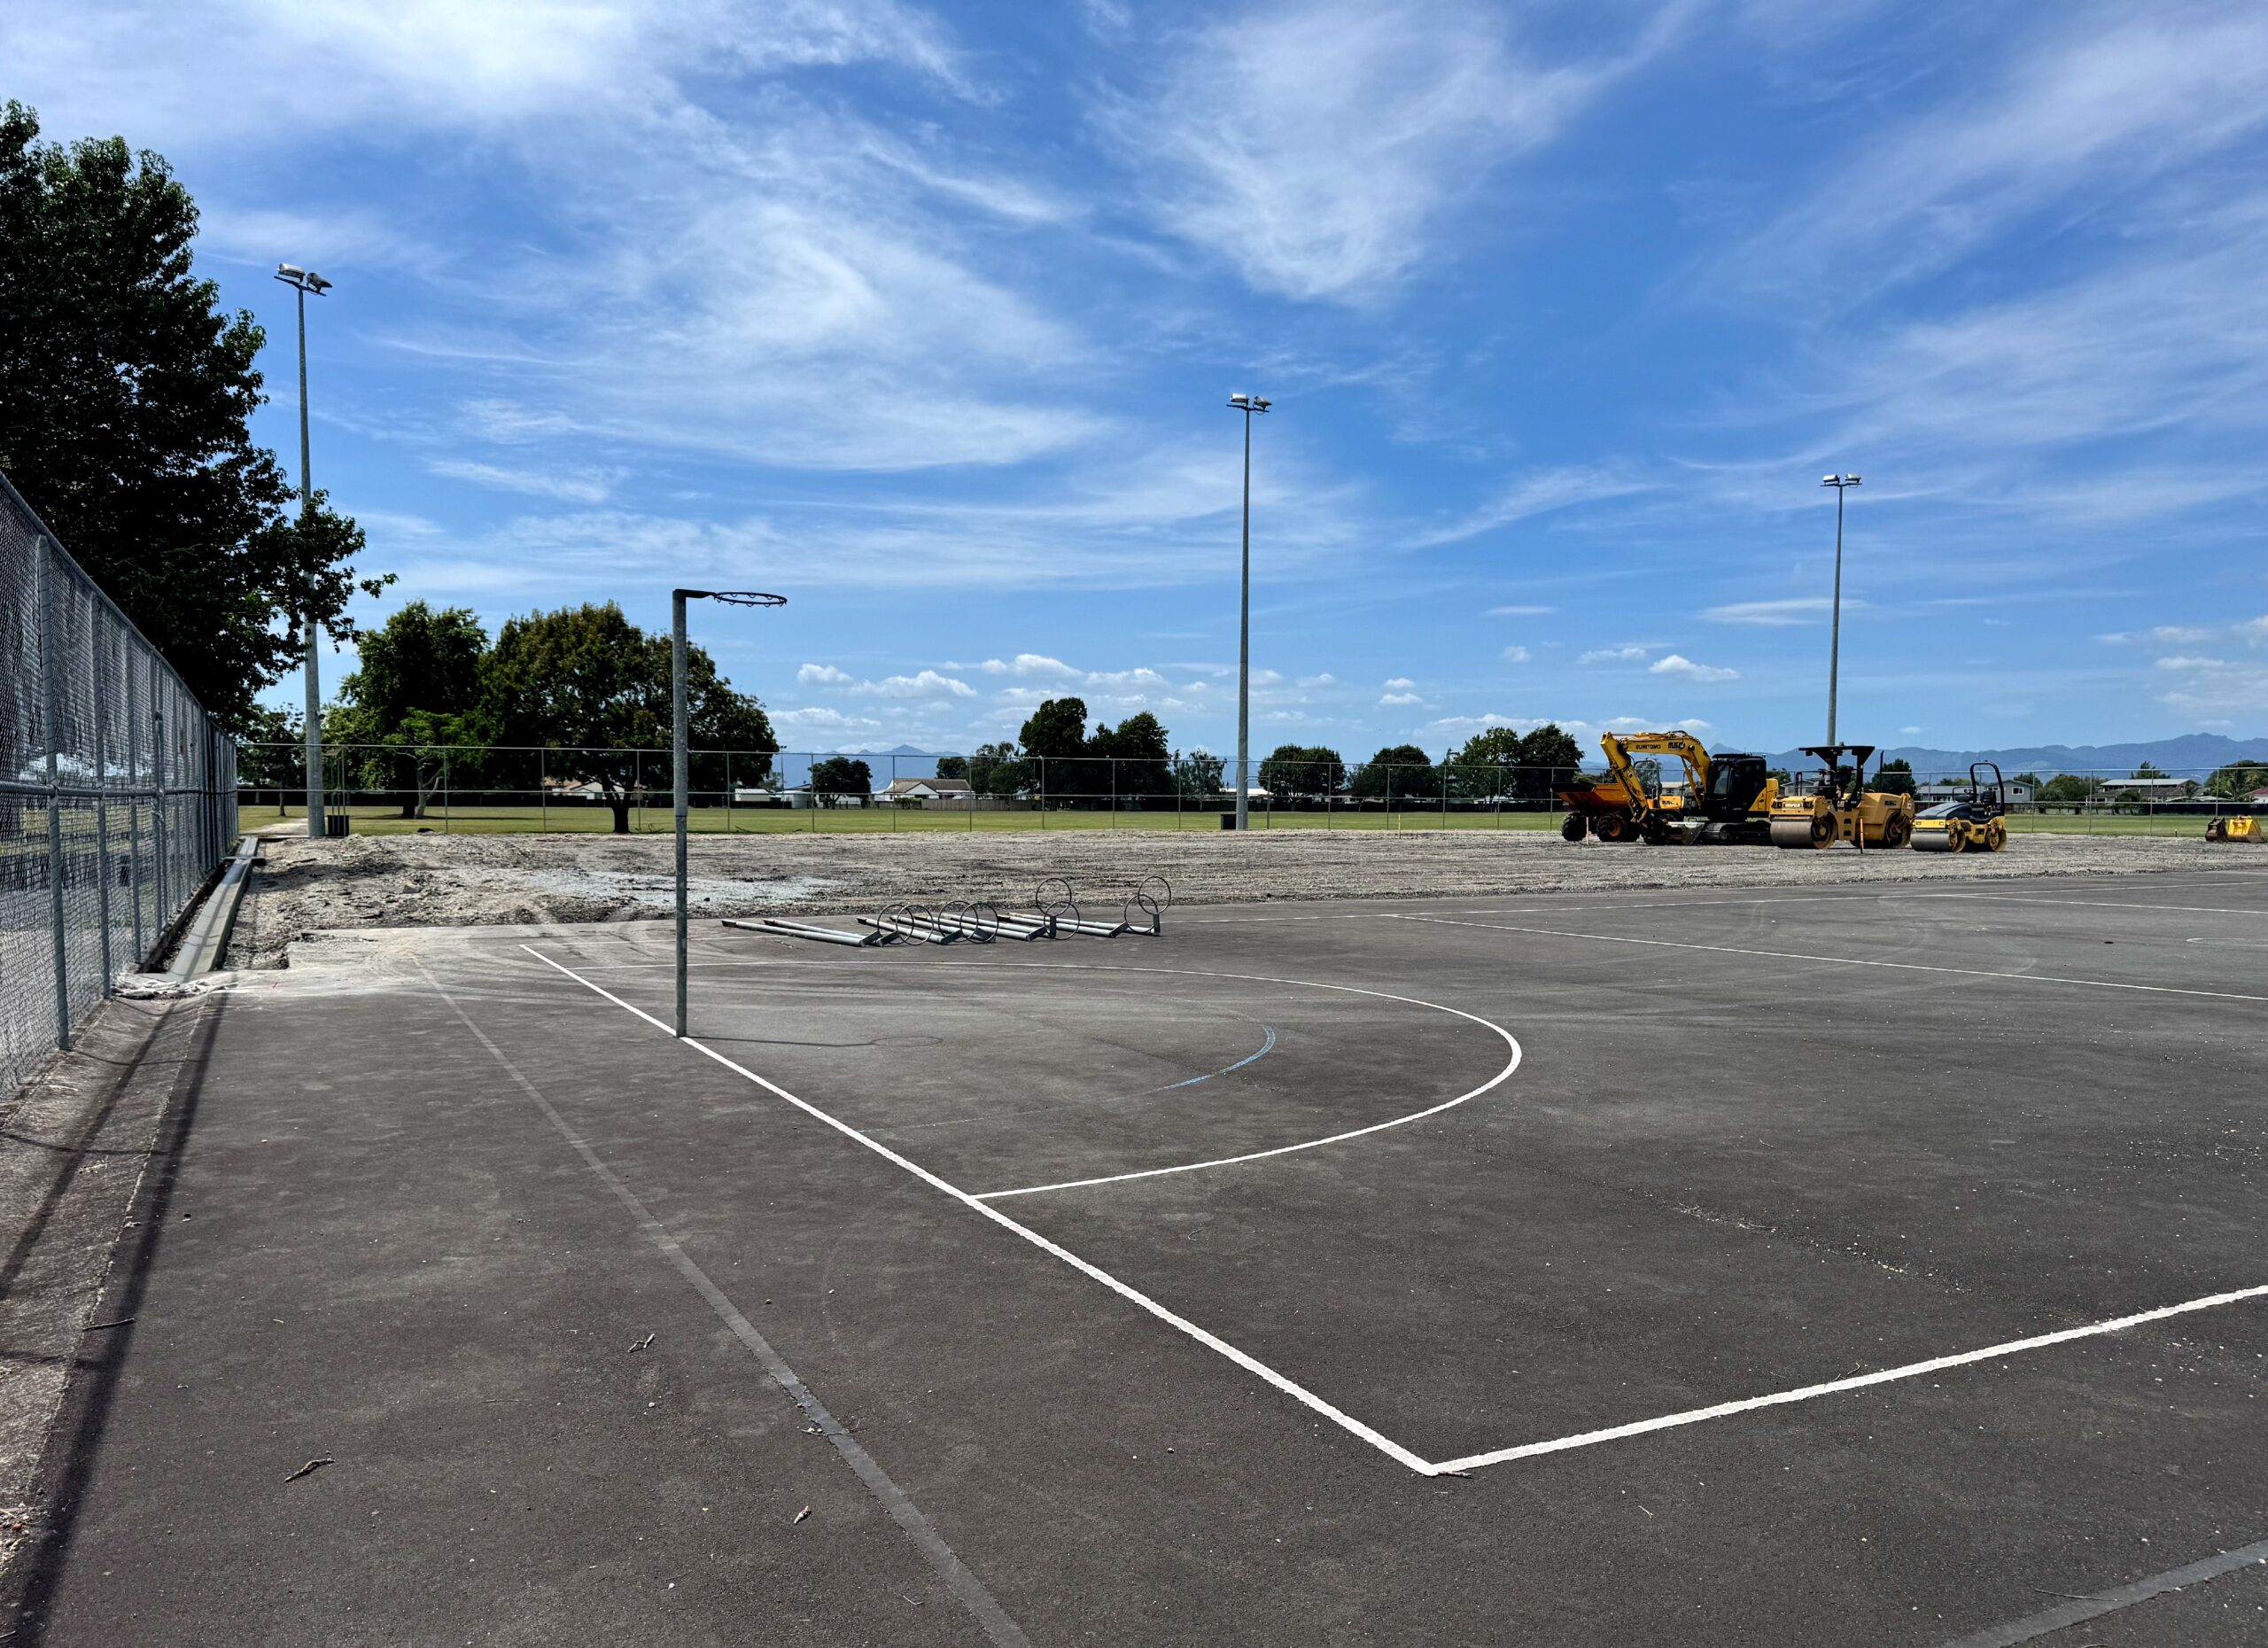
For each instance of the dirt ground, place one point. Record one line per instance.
(417, 880)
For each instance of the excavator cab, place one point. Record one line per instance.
(1734, 783)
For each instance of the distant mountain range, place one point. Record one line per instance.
(2191, 755)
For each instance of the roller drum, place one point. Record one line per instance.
(1793, 832)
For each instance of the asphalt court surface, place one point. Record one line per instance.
(1594, 1161)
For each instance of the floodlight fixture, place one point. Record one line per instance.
(680, 740)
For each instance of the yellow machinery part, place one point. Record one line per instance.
(2235, 830)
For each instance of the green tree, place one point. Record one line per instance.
(843, 776)
(1549, 757)
(2069, 789)
(952, 766)
(2237, 780)
(1054, 740)
(1197, 776)
(1302, 770)
(1140, 753)
(125, 393)
(410, 714)
(2148, 770)
(1397, 772)
(1056, 731)
(1483, 767)
(587, 682)
(272, 754)
(1895, 778)
(994, 770)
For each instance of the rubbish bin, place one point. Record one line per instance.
(335, 824)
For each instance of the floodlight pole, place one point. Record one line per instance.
(1841, 483)
(681, 748)
(1247, 405)
(303, 282)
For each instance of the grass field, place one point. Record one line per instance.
(893, 821)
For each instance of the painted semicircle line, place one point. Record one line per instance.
(1266, 1047)
(1511, 1064)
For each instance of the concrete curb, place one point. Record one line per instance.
(206, 941)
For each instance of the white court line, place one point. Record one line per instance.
(1298, 1393)
(2094, 904)
(1790, 955)
(1356, 1427)
(1913, 1369)
(1514, 1063)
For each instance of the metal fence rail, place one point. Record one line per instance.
(483, 788)
(117, 794)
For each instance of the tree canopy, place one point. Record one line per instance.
(1501, 760)
(586, 679)
(1302, 770)
(1142, 762)
(2237, 780)
(1895, 778)
(413, 704)
(1056, 731)
(1398, 770)
(843, 776)
(994, 770)
(125, 396)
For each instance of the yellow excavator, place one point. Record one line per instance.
(1840, 807)
(1727, 799)
(2242, 828)
(1978, 824)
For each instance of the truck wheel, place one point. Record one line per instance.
(1574, 828)
(1612, 827)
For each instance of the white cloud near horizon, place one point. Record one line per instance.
(1678, 663)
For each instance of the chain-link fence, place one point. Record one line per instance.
(115, 793)
(404, 786)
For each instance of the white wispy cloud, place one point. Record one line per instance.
(1612, 654)
(2088, 98)
(1678, 663)
(1516, 654)
(575, 486)
(1533, 494)
(1520, 611)
(1316, 147)
(1779, 614)
(823, 675)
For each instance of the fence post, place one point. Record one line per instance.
(1043, 791)
(102, 780)
(134, 807)
(542, 788)
(158, 798)
(48, 721)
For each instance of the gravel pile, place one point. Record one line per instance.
(421, 881)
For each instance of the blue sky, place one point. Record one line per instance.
(925, 317)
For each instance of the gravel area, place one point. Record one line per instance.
(421, 880)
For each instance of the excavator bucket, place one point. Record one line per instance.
(2235, 830)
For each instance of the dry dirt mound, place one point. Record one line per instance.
(419, 881)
